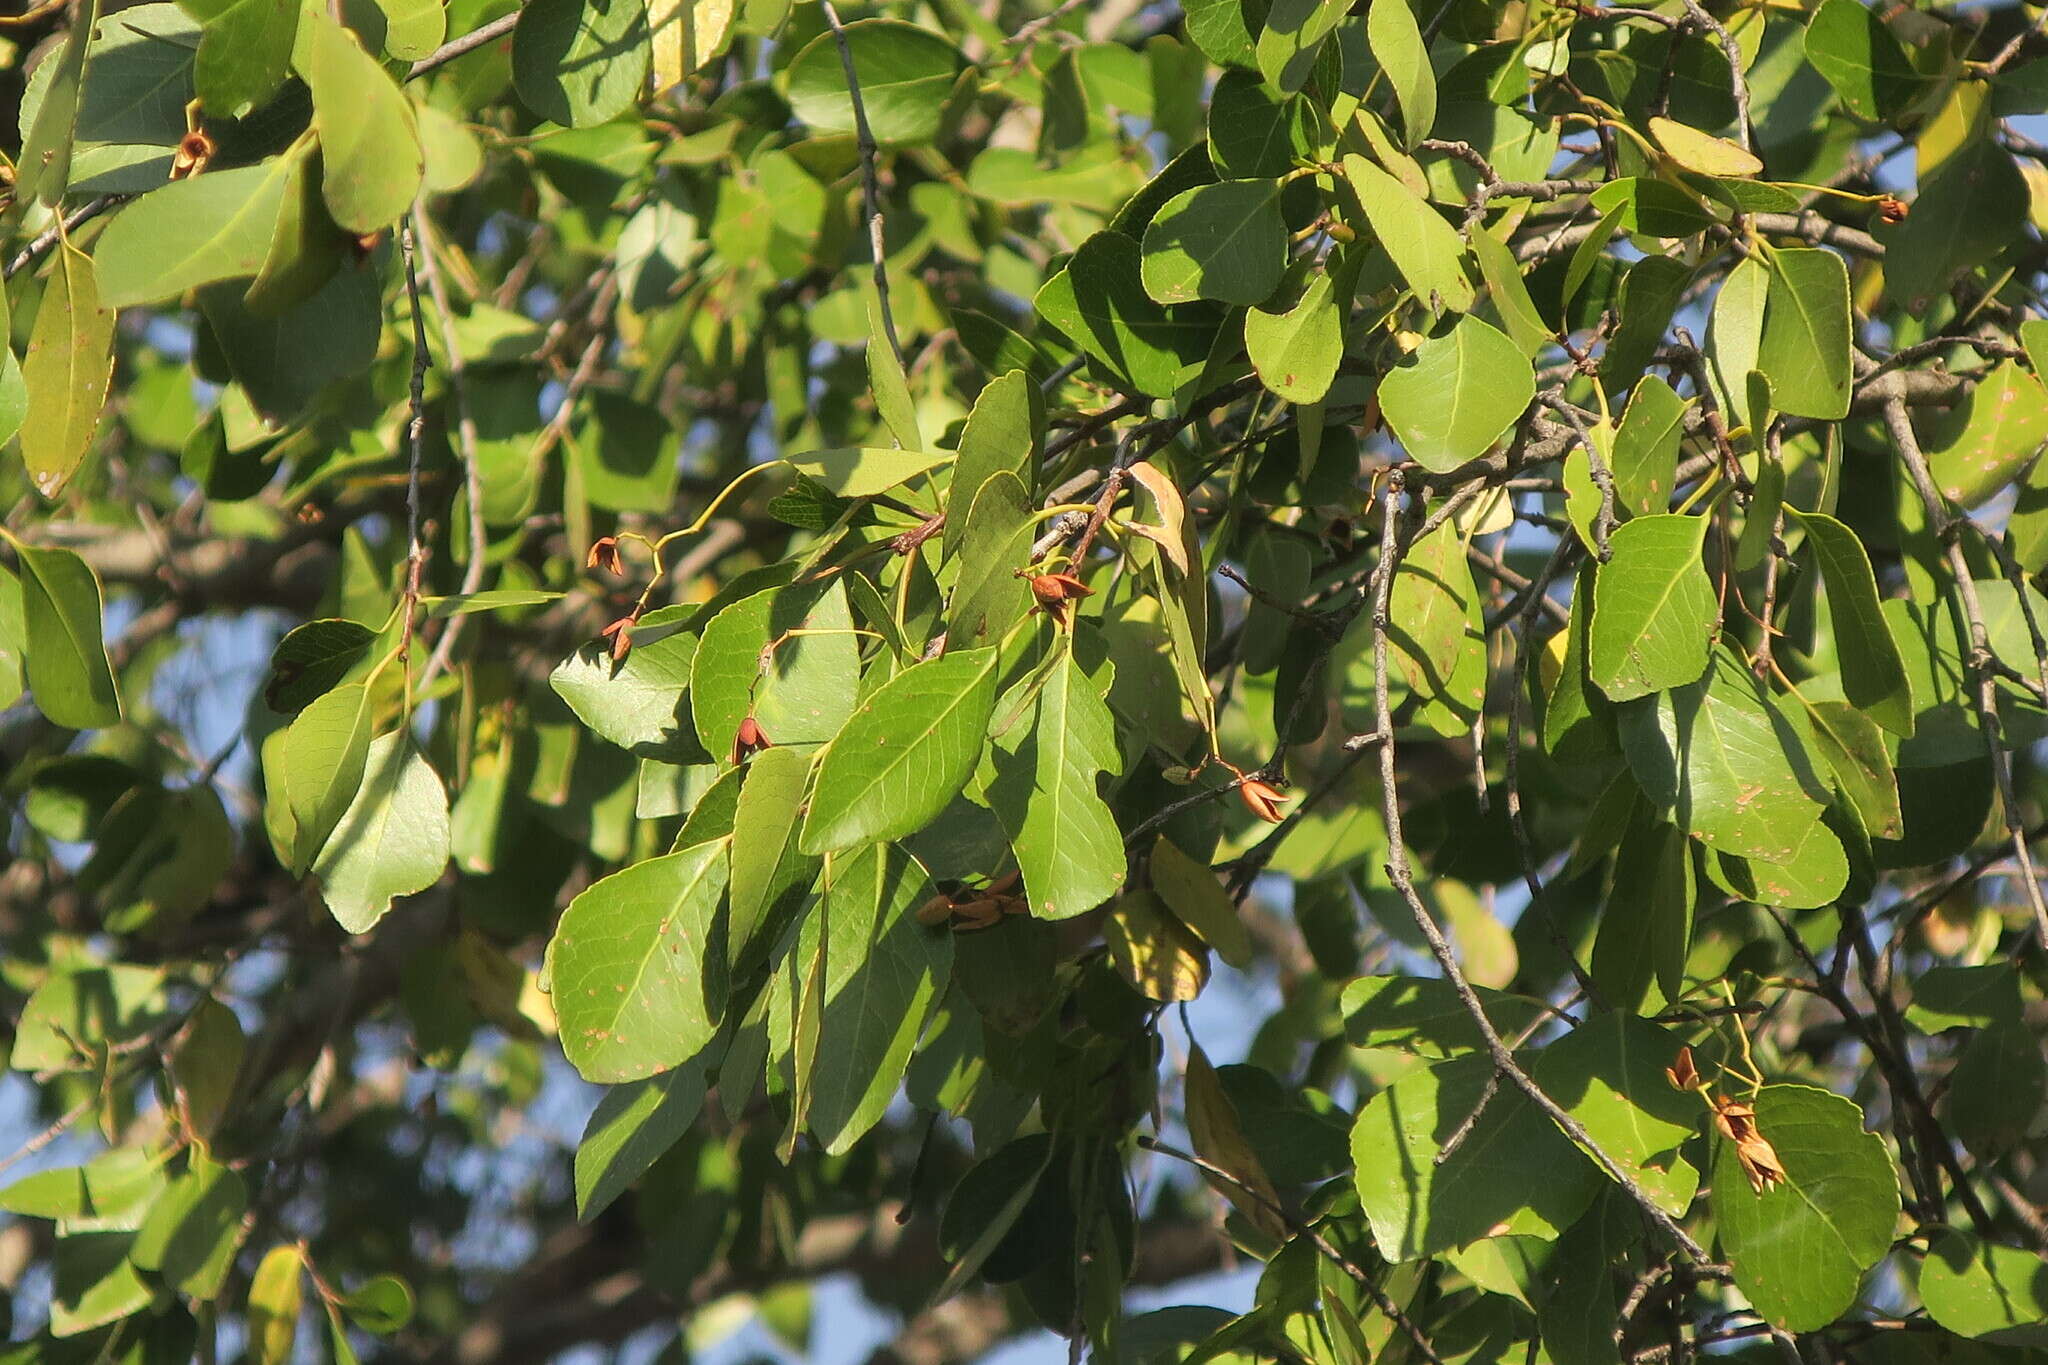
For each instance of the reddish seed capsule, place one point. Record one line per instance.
(604, 554)
(195, 149)
(748, 740)
(1892, 209)
(620, 633)
(1055, 591)
(1263, 800)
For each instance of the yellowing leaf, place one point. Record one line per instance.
(70, 359)
(687, 34)
(1703, 153)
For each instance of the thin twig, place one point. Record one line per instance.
(466, 445)
(1294, 1225)
(416, 429)
(466, 44)
(871, 190)
(1976, 650)
(1399, 873)
(51, 235)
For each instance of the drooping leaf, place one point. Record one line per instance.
(244, 55)
(905, 71)
(995, 541)
(883, 972)
(371, 163)
(1397, 44)
(1296, 352)
(1654, 609)
(632, 1126)
(639, 984)
(904, 753)
(64, 660)
(67, 366)
(1458, 394)
(1805, 345)
(1002, 434)
(1800, 1248)
(391, 841)
(637, 702)
(1226, 242)
(1426, 249)
(1047, 765)
(1873, 672)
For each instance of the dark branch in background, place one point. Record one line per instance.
(466, 445)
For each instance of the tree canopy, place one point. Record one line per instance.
(654, 655)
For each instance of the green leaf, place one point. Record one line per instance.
(1294, 32)
(1650, 292)
(1430, 600)
(1254, 133)
(1997, 1088)
(1654, 207)
(632, 1127)
(77, 1014)
(1044, 791)
(1003, 434)
(639, 985)
(275, 1293)
(1424, 1016)
(1990, 437)
(43, 171)
(193, 1231)
(986, 1205)
(1854, 748)
(1805, 347)
(1514, 1173)
(244, 55)
(1425, 249)
(1100, 302)
(1457, 395)
(69, 360)
(1981, 1289)
(1225, 242)
(800, 691)
(1296, 352)
(1509, 292)
(882, 976)
(580, 62)
(905, 71)
(1645, 931)
(892, 392)
(1737, 332)
(1813, 875)
(1645, 455)
(64, 661)
(1970, 209)
(1398, 46)
(1608, 1073)
(995, 541)
(95, 1283)
(1873, 671)
(393, 839)
(636, 703)
(1719, 756)
(382, 1304)
(1217, 29)
(305, 248)
(1190, 890)
(904, 753)
(1654, 609)
(370, 157)
(1849, 44)
(766, 865)
(1964, 997)
(1800, 1249)
(191, 232)
(313, 772)
(861, 473)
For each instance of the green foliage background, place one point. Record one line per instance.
(824, 570)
